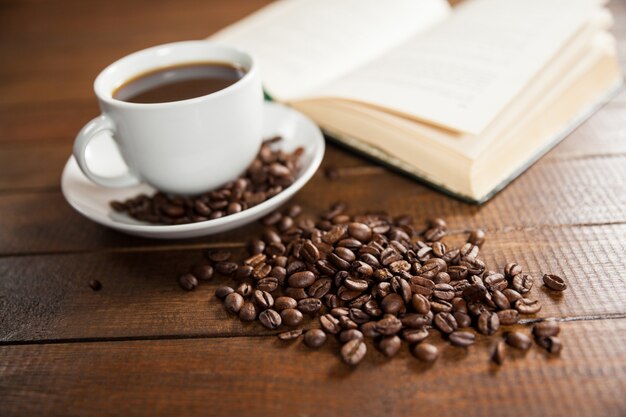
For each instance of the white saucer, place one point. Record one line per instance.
(92, 200)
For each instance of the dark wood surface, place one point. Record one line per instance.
(142, 346)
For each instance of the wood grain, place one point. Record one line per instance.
(578, 191)
(264, 376)
(50, 297)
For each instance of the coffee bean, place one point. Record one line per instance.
(319, 288)
(233, 302)
(518, 340)
(247, 312)
(309, 252)
(440, 306)
(474, 292)
(462, 319)
(330, 324)
(546, 328)
(392, 304)
(500, 300)
(226, 268)
(301, 279)
(550, 343)
(314, 338)
(522, 283)
(188, 282)
(282, 303)
(443, 291)
(222, 292)
(348, 335)
(554, 282)
(244, 289)
(488, 323)
(291, 317)
(355, 284)
(263, 299)
(296, 293)
(512, 269)
(269, 284)
(445, 322)
(420, 303)
(353, 351)
(390, 345)
(477, 237)
(202, 272)
(218, 255)
(95, 285)
(496, 282)
(508, 317)
(256, 246)
(511, 295)
(369, 329)
(243, 272)
(499, 353)
(421, 285)
(461, 338)
(526, 306)
(425, 352)
(388, 325)
(360, 231)
(309, 305)
(270, 319)
(290, 335)
(414, 335)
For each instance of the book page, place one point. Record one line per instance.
(301, 45)
(463, 73)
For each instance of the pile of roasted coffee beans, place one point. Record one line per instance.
(270, 173)
(373, 276)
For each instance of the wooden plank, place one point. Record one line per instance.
(264, 377)
(580, 191)
(82, 46)
(48, 297)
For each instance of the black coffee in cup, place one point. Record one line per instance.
(179, 82)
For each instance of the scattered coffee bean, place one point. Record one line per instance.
(390, 345)
(282, 303)
(350, 334)
(518, 340)
(291, 317)
(270, 319)
(222, 292)
(462, 338)
(353, 351)
(96, 285)
(290, 335)
(248, 312)
(233, 302)
(488, 323)
(554, 282)
(526, 306)
(371, 276)
(546, 328)
(508, 317)
(425, 352)
(499, 353)
(202, 272)
(188, 282)
(550, 343)
(314, 338)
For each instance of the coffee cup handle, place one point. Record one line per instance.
(100, 124)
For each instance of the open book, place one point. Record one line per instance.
(465, 98)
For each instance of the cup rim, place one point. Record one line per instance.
(103, 94)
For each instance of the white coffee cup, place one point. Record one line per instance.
(181, 147)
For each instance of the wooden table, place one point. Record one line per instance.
(141, 345)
